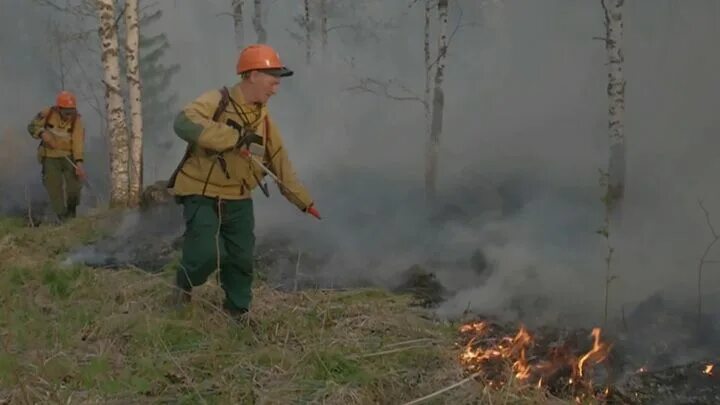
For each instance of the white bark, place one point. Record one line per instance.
(257, 23)
(428, 68)
(431, 168)
(132, 54)
(616, 102)
(239, 23)
(61, 62)
(323, 25)
(308, 33)
(115, 110)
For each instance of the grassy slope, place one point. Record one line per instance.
(81, 335)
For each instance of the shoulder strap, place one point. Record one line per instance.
(51, 111)
(267, 141)
(224, 100)
(72, 126)
(267, 131)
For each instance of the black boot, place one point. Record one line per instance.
(71, 212)
(181, 297)
(239, 315)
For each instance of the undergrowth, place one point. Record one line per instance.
(83, 335)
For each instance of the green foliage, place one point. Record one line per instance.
(8, 225)
(337, 367)
(60, 282)
(112, 336)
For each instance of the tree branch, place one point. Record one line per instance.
(379, 88)
(452, 35)
(708, 248)
(707, 220)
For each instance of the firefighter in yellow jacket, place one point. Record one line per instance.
(62, 137)
(232, 145)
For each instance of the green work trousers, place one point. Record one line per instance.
(62, 185)
(219, 235)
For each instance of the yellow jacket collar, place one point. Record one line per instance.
(237, 95)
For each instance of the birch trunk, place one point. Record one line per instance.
(117, 129)
(616, 104)
(428, 68)
(308, 33)
(431, 169)
(132, 54)
(239, 23)
(61, 61)
(257, 23)
(323, 25)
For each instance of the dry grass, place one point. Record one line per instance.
(81, 335)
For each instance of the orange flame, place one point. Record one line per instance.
(507, 348)
(597, 354)
(709, 369)
(486, 352)
(477, 327)
(521, 367)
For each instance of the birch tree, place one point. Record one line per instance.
(428, 67)
(58, 47)
(114, 107)
(616, 104)
(258, 24)
(239, 23)
(438, 105)
(307, 23)
(132, 55)
(323, 26)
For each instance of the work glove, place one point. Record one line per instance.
(80, 171)
(48, 140)
(245, 137)
(313, 211)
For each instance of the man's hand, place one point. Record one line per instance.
(80, 171)
(48, 140)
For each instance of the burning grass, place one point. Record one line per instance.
(83, 335)
(578, 365)
(561, 365)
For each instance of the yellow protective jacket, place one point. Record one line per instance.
(216, 166)
(69, 135)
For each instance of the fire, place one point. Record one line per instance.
(709, 369)
(521, 367)
(514, 348)
(477, 327)
(598, 353)
(550, 367)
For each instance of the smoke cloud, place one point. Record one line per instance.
(525, 135)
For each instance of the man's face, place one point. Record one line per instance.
(265, 85)
(67, 113)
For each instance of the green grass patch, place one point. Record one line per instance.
(337, 367)
(61, 281)
(110, 337)
(10, 225)
(9, 368)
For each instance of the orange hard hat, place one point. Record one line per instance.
(261, 57)
(65, 99)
